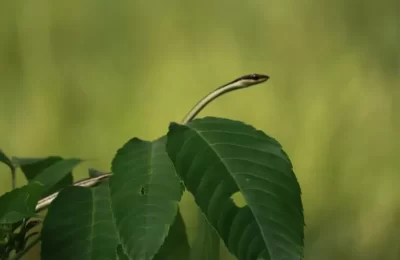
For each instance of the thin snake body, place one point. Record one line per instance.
(239, 83)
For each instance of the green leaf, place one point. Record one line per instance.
(31, 167)
(4, 159)
(176, 245)
(127, 217)
(79, 225)
(20, 161)
(53, 172)
(20, 203)
(217, 158)
(145, 192)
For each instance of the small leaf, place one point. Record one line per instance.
(217, 158)
(145, 192)
(20, 203)
(56, 172)
(80, 225)
(31, 167)
(19, 161)
(4, 159)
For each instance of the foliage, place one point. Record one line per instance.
(134, 214)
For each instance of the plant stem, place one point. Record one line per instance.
(26, 249)
(13, 179)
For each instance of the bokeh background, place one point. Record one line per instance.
(80, 78)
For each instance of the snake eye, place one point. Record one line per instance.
(255, 77)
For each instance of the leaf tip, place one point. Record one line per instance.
(173, 125)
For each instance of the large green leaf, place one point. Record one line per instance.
(216, 158)
(140, 202)
(145, 192)
(20, 203)
(80, 225)
(31, 167)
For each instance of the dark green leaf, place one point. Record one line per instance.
(145, 192)
(176, 245)
(140, 203)
(4, 159)
(20, 161)
(20, 203)
(80, 225)
(31, 167)
(217, 158)
(56, 172)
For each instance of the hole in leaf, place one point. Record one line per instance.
(238, 199)
(144, 190)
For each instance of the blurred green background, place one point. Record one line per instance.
(80, 78)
